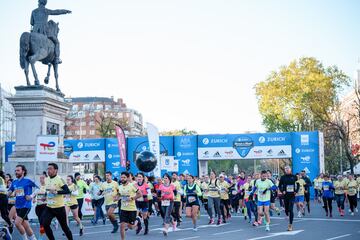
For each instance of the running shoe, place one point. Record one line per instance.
(255, 224)
(195, 229)
(356, 210)
(277, 210)
(139, 228)
(211, 221)
(146, 231)
(165, 232)
(267, 228)
(115, 229)
(342, 213)
(178, 224)
(299, 214)
(352, 214)
(349, 210)
(218, 222)
(174, 226)
(81, 231)
(290, 228)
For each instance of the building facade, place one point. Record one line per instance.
(88, 116)
(7, 122)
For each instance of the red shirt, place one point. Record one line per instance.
(167, 192)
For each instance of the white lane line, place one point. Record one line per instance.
(188, 238)
(220, 233)
(88, 233)
(342, 236)
(321, 219)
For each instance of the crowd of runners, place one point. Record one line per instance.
(131, 201)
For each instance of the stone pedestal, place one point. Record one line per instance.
(39, 111)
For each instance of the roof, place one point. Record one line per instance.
(89, 99)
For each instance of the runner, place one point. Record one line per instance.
(340, 187)
(214, 198)
(71, 204)
(224, 198)
(241, 181)
(306, 190)
(249, 203)
(4, 202)
(23, 189)
(288, 187)
(263, 189)
(11, 202)
(352, 194)
(254, 198)
(167, 192)
(273, 195)
(299, 197)
(55, 207)
(205, 191)
(129, 194)
(97, 200)
(41, 205)
(177, 201)
(328, 195)
(110, 190)
(142, 203)
(83, 187)
(192, 192)
(234, 200)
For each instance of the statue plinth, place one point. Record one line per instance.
(39, 111)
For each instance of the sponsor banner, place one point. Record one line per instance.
(9, 149)
(154, 146)
(244, 141)
(185, 148)
(321, 153)
(169, 164)
(47, 148)
(306, 153)
(256, 152)
(139, 144)
(120, 135)
(85, 150)
(112, 157)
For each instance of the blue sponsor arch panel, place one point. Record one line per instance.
(85, 150)
(185, 148)
(112, 157)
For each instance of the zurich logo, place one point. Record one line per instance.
(205, 141)
(110, 156)
(80, 145)
(178, 154)
(144, 148)
(297, 150)
(262, 139)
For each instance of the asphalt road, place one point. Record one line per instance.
(313, 226)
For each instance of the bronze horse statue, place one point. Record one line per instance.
(39, 47)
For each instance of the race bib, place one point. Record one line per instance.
(67, 199)
(141, 199)
(165, 203)
(326, 188)
(234, 192)
(19, 192)
(191, 199)
(290, 188)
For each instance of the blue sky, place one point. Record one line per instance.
(188, 63)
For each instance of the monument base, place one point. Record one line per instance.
(39, 111)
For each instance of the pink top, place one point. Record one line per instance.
(167, 192)
(143, 188)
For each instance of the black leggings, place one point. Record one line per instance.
(80, 204)
(39, 210)
(175, 212)
(289, 207)
(4, 209)
(60, 214)
(328, 204)
(224, 203)
(352, 202)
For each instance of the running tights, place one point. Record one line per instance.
(176, 212)
(224, 204)
(289, 207)
(328, 204)
(340, 199)
(60, 214)
(214, 204)
(4, 209)
(352, 202)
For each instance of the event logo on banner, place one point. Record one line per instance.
(169, 164)
(47, 148)
(120, 135)
(154, 145)
(85, 150)
(243, 145)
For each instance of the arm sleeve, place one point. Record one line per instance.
(297, 187)
(64, 190)
(57, 11)
(198, 191)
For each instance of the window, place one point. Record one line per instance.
(75, 107)
(92, 132)
(92, 123)
(107, 107)
(83, 124)
(68, 123)
(86, 107)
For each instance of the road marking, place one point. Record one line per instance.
(88, 233)
(188, 238)
(187, 229)
(321, 219)
(220, 233)
(342, 236)
(287, 233)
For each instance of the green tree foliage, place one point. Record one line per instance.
(177, 132)
(299, 96)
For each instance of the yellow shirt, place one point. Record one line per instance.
(214, 188)
(224, 190)
(41, 196)
(179, 191)
(2, 186)
(340, 187)
(246, 190)
(54, 200)
(126, 192)
(318, 183)
(205, 189)
(110, 191)
(301, 191)
(352, 188)
(70, 199)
